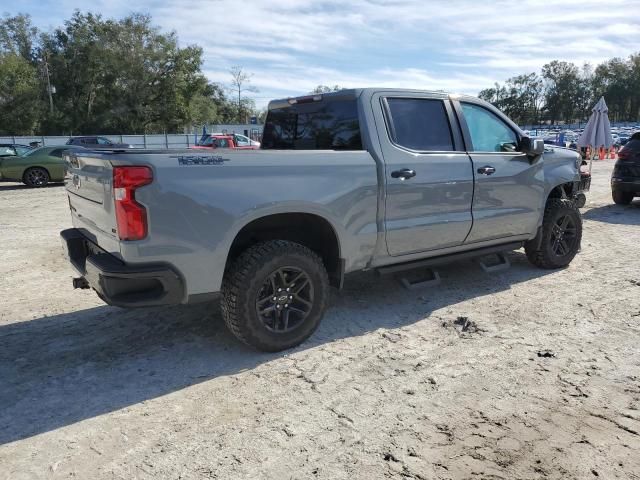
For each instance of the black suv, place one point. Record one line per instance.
(96, 142)
(625, 179)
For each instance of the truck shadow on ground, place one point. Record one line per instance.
(59, 370)
(20, 186)
(617, 214)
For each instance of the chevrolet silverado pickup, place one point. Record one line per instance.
(353, 180)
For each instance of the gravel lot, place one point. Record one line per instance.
(541, 381)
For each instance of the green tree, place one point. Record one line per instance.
(18, 36)
(561, 90)
(519, 97)
(613, 79)
(19, 95)
(239, 84)
(325, 89)
(123, 76)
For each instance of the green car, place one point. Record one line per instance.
(37, 167)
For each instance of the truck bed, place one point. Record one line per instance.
(189, 225)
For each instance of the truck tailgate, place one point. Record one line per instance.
(89, 189)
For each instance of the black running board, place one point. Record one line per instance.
(453, 257)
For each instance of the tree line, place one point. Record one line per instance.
(564, 92)
(97, 75)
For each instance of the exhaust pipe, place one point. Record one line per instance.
(80, 282)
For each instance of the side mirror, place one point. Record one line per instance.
(532, 146)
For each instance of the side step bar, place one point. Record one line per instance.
(454, 257)
(502, 264)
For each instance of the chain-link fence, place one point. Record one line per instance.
(138, 141)
(169, 140)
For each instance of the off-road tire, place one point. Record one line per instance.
(540, 250)
(621, 198)
(35, 177)
(244, 279)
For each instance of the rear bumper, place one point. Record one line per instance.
(626, 184)
(119, 283)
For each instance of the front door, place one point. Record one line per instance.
(508, 184)
(428, 175)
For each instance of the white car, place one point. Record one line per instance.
(243, 141)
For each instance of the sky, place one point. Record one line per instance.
(458, 45)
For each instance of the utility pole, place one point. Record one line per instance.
(239, 104)
(49, 87)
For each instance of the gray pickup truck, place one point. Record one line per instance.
(354, 180)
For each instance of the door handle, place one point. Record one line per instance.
(403, 173)
(486, 170)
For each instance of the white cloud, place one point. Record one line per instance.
(461, 45)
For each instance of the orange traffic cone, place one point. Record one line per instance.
(612, 153)
(601, 153)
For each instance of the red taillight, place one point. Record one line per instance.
(131, 217)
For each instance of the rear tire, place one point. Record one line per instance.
(35, 177)
(621, 198)
(263, 273)
(558, 240)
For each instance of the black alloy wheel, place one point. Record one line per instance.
(563, 235)
(285, 299)
(36, 177)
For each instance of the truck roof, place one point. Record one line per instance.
(350, 93)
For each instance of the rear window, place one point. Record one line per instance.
(323, 125)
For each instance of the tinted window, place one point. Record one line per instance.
(57, 152)
(103, 141)
(488, 132)
(222, 143)
(633, 145)
(419, 124)
(323, 125)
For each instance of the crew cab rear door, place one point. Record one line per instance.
(508, 185)
(428, 175)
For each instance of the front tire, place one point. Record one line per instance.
(621, 198)
(274, 295)
(35, 177)
(558, 241)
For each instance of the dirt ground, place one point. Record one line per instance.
(542, 380)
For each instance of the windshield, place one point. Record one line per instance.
(323, 125)
(241, 140)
